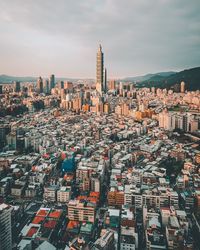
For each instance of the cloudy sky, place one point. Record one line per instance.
(40, 37)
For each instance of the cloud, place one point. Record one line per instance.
(138, 36)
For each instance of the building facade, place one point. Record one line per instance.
(5, 227)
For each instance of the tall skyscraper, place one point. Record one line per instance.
(40, 85)
(99, 70)
(46, 87)
(52, 81)
(5, 227)
(182, 87)
(17, 86)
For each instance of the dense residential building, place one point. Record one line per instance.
(5, 227)
(64, 194)
(105, 242)
(81, 211)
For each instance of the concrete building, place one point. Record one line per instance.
(40, 85)
(105, 242)
(128, 239)
(52, 81)
(50, 193)
(17, 86)
(5, 227)
(64, 194)
(111, 85)
(182, 87)
(46, 86)
(81, 211)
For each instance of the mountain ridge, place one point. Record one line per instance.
(190, 76)
(148, 76)
(9, 79)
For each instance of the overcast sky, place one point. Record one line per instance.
(40, 37)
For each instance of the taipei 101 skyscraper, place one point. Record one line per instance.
(99, 70)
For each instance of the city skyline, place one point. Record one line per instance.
(138, 38)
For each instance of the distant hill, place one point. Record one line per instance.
(10, 79)
(190, 76)
(148, 76)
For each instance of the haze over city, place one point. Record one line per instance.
(138, 36)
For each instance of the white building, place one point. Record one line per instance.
(64, 194)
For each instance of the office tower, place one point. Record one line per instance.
(182, 87)
(61, 85)
(52, 81)
(185, 123)
(5, 227)
(40, 85)
(106, 108)
(46, 87)
(121, 87)
(111, 85)
(17, 87)
(105, 81)
(99, 70)
(4, 130)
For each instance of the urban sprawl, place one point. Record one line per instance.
(99, 166)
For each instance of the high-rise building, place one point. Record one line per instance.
(52, 81)
(4, 130)
(99, 70)
(40, 85)
(111, 85)
(5, 227)
(182, 87)
(17, 86)
(61, 85)
(46, 86)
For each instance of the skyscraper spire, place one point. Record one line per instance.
(99, 70)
